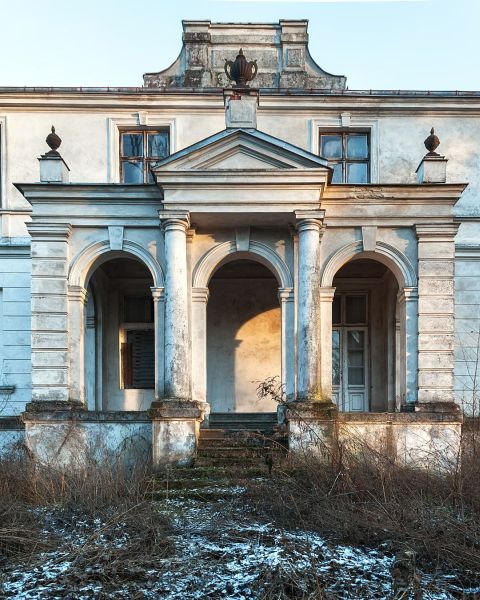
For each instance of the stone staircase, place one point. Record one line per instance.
(226, 457)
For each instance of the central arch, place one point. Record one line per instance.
(274, 310)
(227, 251)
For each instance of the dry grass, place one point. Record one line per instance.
(363, 498)
(40, 507)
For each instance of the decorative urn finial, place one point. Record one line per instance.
(432, 143)
(53, 141)
(240, 70)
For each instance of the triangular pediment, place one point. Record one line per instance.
(240, 150)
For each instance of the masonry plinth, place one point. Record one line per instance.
(65, 436)
(424, 440)
(175, 431)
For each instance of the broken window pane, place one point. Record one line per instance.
(337, 176)
(132, 172)
(331, 146)
(132, 144)
(158, 145)
(357, 146)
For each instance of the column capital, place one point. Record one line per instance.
(77, 293)
(158, 293)
(407, 294)
(179, 220)
(327, 294)
(50, 232)
(436, 232)
(200, 294)
(191, 233)
(286, 294)
(309, 220)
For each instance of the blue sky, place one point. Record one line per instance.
(377, 44)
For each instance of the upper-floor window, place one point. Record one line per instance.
(139, 150)
(349, 155)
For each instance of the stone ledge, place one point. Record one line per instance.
(85, 416)
(311, 411)
(320, 411)
(5, 390)
(176, 409)
(11, 424)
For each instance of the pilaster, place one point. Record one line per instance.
(50, 327)
(286, 297)
(158, 295)
(77, 299)
(436, 321)
(199, 343)
(326, 298)
(408, 304)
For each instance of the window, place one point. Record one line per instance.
(139, 150)
(349, 155)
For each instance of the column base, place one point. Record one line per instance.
(175, 431)
(311, 426)
(446, 408)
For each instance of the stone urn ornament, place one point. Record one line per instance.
(240, 70)
(432, 143)
(53, 141)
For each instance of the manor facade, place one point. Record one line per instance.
(190, 238)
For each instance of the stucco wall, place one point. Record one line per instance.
(467, 326)
(15, 347)
(243, 343)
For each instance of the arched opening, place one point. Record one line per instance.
(119, 337)
(243, 336)
(365, 337)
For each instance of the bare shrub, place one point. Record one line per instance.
(365, 499)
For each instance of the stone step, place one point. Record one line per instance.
(188, 484)
(201, 495)
(212, 434)
(232, 417)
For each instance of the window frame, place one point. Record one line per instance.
(353, 121)
(344, 160)
(145, 130)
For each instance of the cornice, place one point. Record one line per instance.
(111, 193)
(211, 99)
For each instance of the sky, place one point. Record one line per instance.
(377, 44)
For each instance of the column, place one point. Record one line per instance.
(177, 336)
(158, 295)
(308, 317)
(199, 343)
(408, 305)
(176, 418)
(436, 322)
(77, 299)
(286, 297)
(50, 339)
(326, 300)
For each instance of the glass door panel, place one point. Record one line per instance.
(349, 369)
